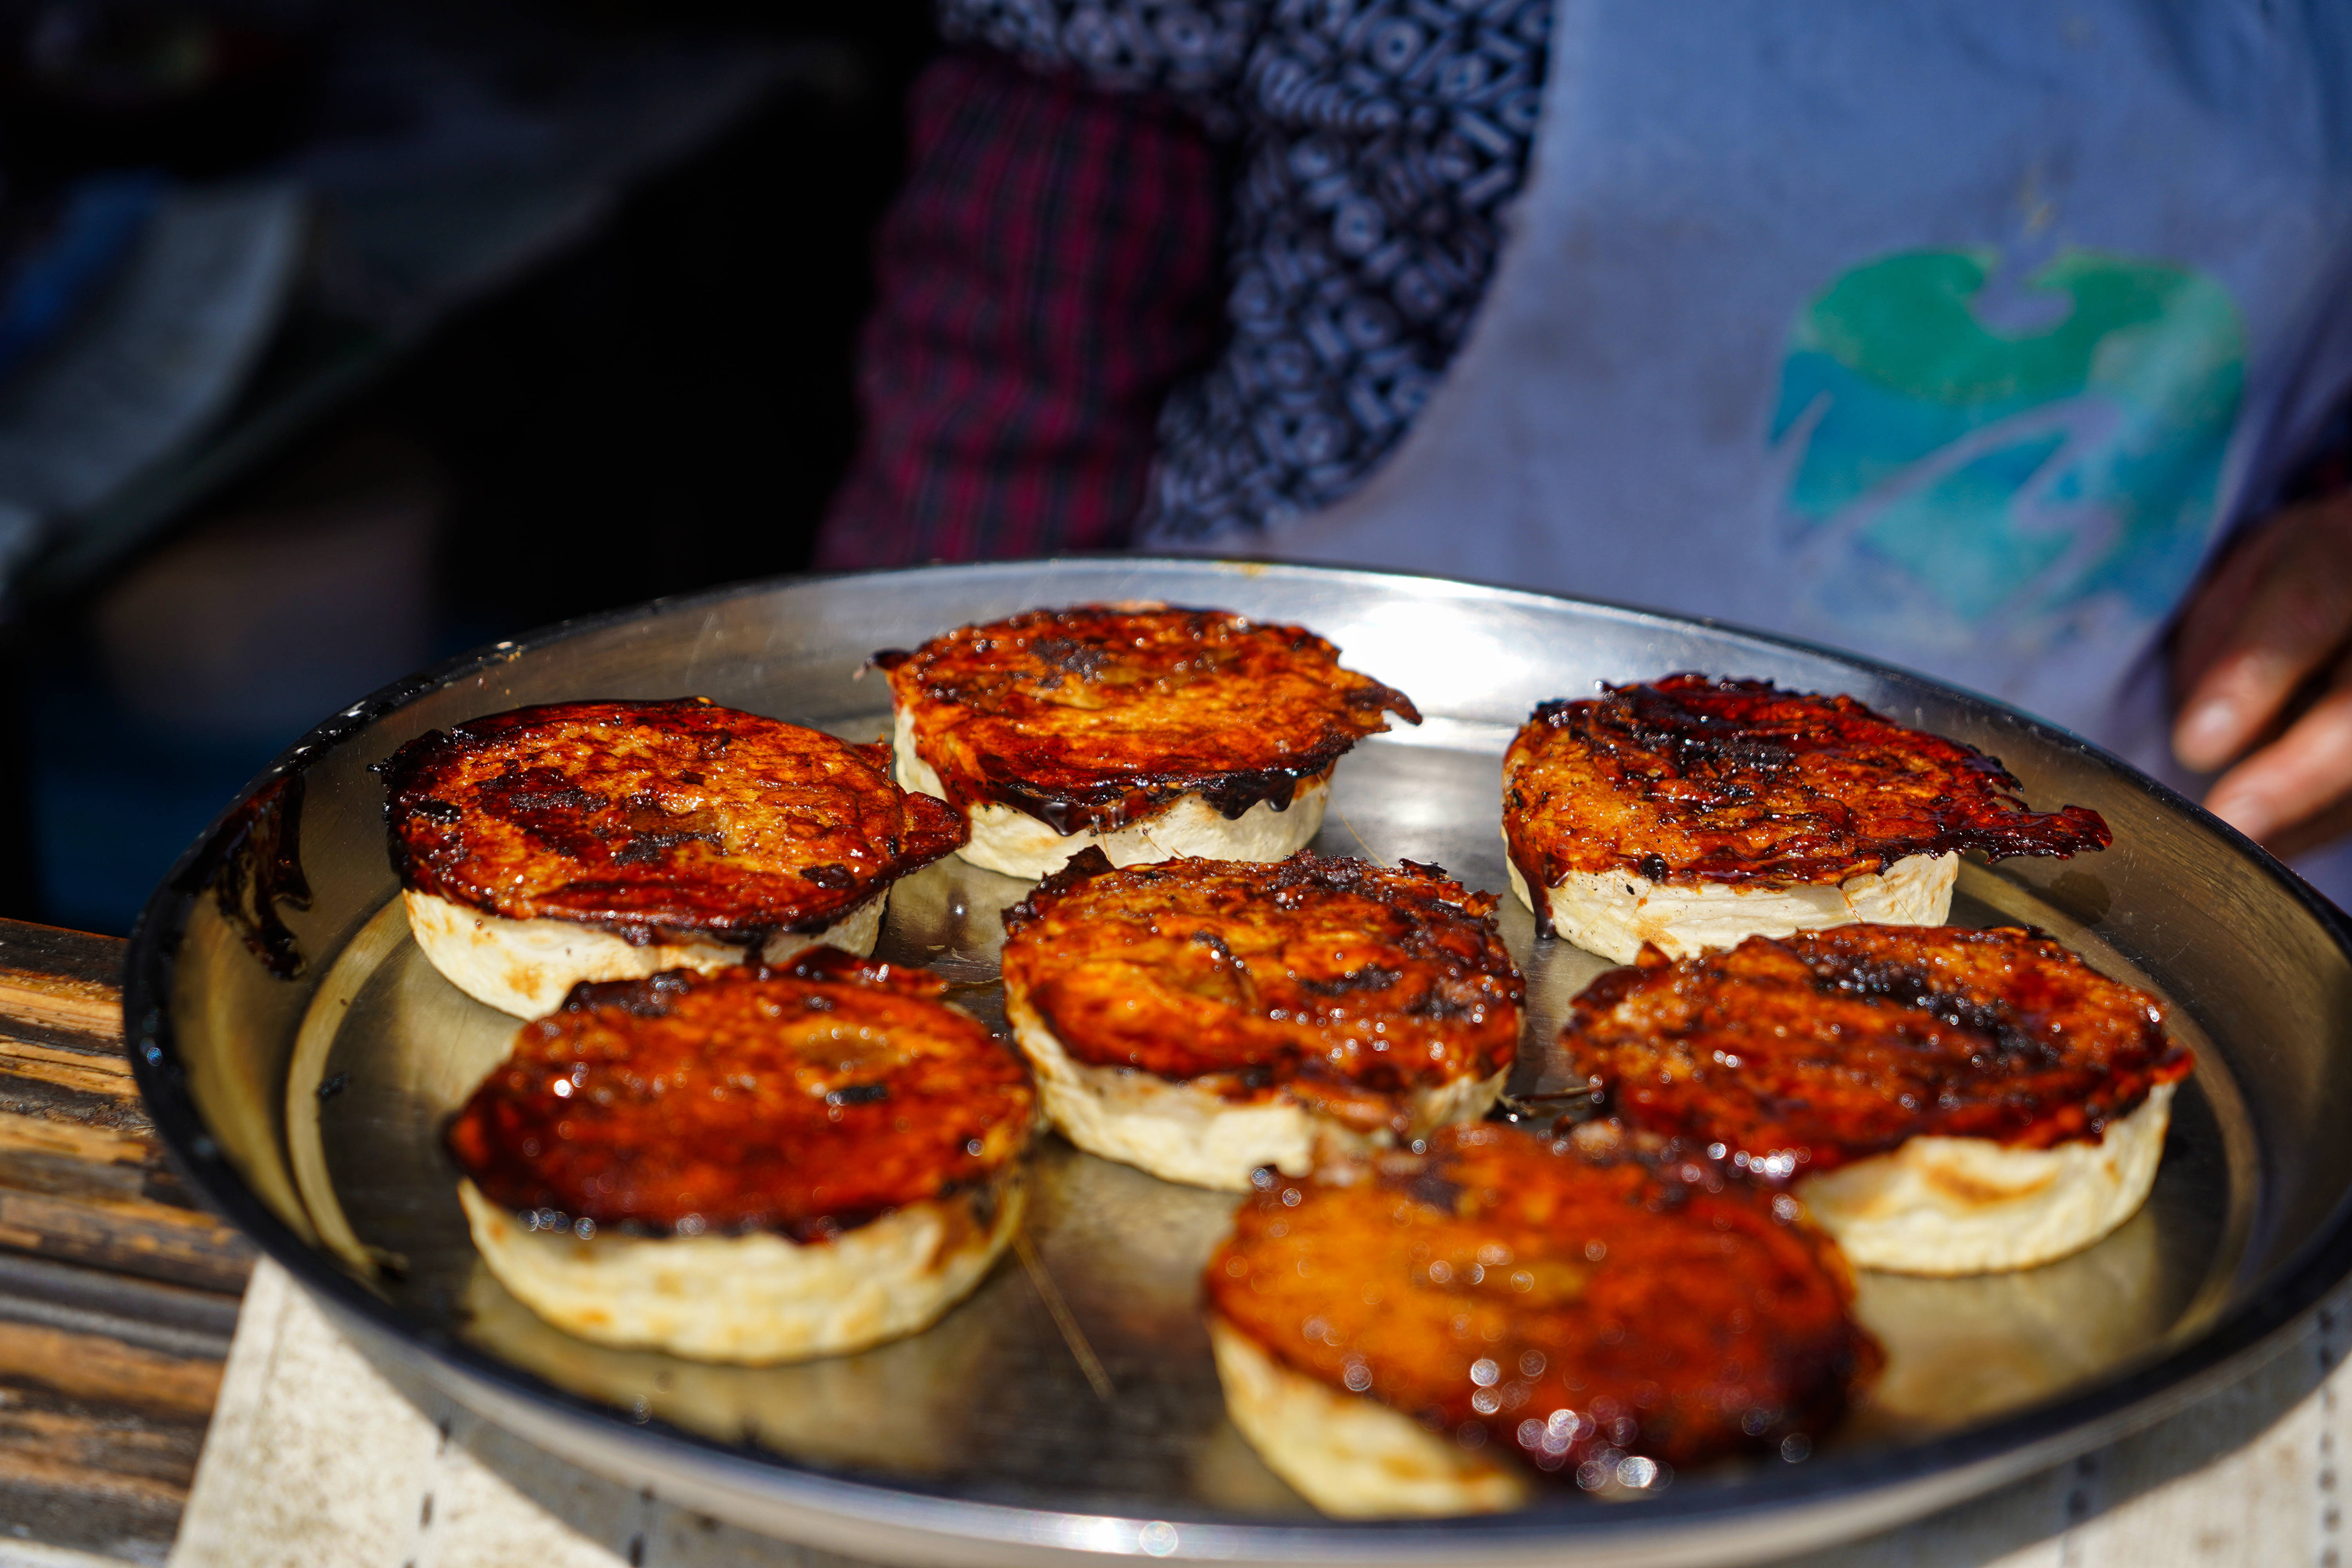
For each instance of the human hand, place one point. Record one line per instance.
(2263, 674)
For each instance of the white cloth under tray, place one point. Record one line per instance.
(320, 1459)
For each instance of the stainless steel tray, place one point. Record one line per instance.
(299, 1057)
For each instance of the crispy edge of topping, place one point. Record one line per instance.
(930, 829)
(467, 1137)
(1112, 798)
(1344, 874)
(1611, 1155)
(1992, 817)
(2033, 1120)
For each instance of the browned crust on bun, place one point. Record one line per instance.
(1566, 1298)
(650, 818)
(1815, 1051)
(1343, 983)
(1692, 779)
(1097, 715)
(805, 1100)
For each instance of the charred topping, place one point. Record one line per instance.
(1824, 1048)
(806, 1101)
(655, 819)
(1575, 1300)
(651, 997)
(1342, 981)
(1692, 780)
(1095, 717)
(1072, 874)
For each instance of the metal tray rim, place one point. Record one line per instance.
(1969, 1461)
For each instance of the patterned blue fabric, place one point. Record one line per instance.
(1380, 140)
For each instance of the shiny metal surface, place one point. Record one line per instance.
(310, 1109)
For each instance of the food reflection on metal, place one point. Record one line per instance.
(1557, 1106)
(1227, 1474)
(255, 863)
(1072, 1335)
(1959, 1350)
(308, 1089)
(948, 918)
(1370, 853)
(882, 1410)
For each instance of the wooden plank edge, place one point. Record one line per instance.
(82, 1006)
(184, 1247)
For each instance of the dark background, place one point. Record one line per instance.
(662, 405)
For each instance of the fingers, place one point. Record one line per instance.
(2296, 778)
(2312, 832)
(2278, 609)
(2219, 604)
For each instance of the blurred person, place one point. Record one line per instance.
(1997, 342)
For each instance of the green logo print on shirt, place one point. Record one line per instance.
(1953, 482)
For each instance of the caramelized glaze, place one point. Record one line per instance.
(1569, 1299)
(807, 1100)
(1098, 716)
(647, 818)
(1344, 982)
(1690, 780)
(1828, 1046)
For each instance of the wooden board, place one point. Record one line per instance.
(118, 1294)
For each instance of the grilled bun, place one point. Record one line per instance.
(1945, 1100)
(596, 841)
(753, 1165)
(1433, 1333)
(1201, 1018)
(1691, 813)
(755, 1299)
(1145, 732)
(1350, 1456)
(1971, 1205)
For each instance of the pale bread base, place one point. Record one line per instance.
(1348, 1453)
(1614, 913)
(754, 1299)
(1971, 1205)
(526, 967)
(1180, 1132)
(1018, 845)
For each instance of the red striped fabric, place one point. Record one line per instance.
(1050, 270)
